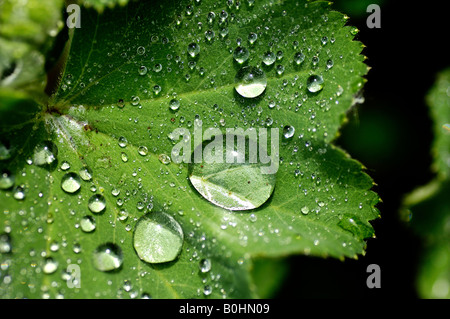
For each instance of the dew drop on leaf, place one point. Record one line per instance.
(87, 224)
(70, 182)
(205, 265)
(107, 257)
(230, 178)
(6, 179)
(85, 173)
(269, 58)
(241, 54)
(250, 82)
(288, 131)
(193, 49)
(157, 238)
(299, 58)
(314, 83)
(97, 203)
(45, 153)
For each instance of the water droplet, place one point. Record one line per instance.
(157, 67)
(97, 203)
(174, 104)
(140, 50)
(250, 82)
(45, 153)
(5, 152)
(19, 193)
(143, 150)
(209, 35)
(163, 158)
(205, 265)
(288, 131)
(85, 173)
(193, 49)
(5, 244)
(107, 257)
(65, 165)
(299, 58)
(124, 157)
(241, 54)
(123, 142)
(207, 290)
(305, 210)
(280, 69)
(314, 83)
(87, 224)
(157, 238)
(252, 37)
(70, 182)
(156, 89)
(330, 64)
(135, 100)
(142, 70)
(50, 266)
(269, 58)
(120, 103)
(229, 177)
(6, 179)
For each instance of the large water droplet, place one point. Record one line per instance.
(250, 82)
(158, 238)
(314, 83)
(229, 177)
(70, 182)
(45, 153)
(107, 257)
(97, 203)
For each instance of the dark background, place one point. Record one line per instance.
(391, 134)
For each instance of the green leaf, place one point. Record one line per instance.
(427, 209)
(112, 117)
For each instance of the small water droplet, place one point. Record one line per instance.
(107, 257)
(50, 266)
(123, 142)
(174, 104)
(252, 37)
(250, 82)
(19, 193)
(305, 210)
(7, 179)
(143, 150)
(65, 165)
(314, 83)
(70, 182)
(209, 35)
(85, 174)
(45, 153)
(87, 224)
(157, 238)
(288, 131)
(97, 203)
(193, 49)
(299, 57)
(269, 58)
(163, 158)
(241, 54)
(205, 265)
(140, 50)
(142, 70)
